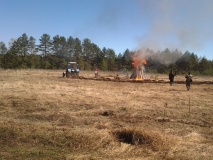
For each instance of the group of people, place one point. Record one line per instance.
(172, 75)
(188, 77)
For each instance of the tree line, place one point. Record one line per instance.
(24, 53)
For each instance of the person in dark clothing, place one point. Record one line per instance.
(171, 77)
(63, 74)
(188, 80)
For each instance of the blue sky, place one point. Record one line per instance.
(186, 25)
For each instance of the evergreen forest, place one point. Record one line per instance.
(54, 53)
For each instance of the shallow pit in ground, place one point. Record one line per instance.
(144, 138)
(107, 113)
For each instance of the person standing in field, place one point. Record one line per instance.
(188, 80)
(96, 72)
(171, 77)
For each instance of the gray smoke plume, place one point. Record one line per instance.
(181, 24)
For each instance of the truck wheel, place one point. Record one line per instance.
(67, 75)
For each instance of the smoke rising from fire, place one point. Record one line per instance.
(183, 24)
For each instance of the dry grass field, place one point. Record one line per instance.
(44, 116)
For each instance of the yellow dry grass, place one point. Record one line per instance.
(45, 116)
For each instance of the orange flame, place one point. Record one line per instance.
(137, 63)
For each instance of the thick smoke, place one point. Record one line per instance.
(182, 24)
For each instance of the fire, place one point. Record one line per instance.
(137, 61)
(138, 64)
